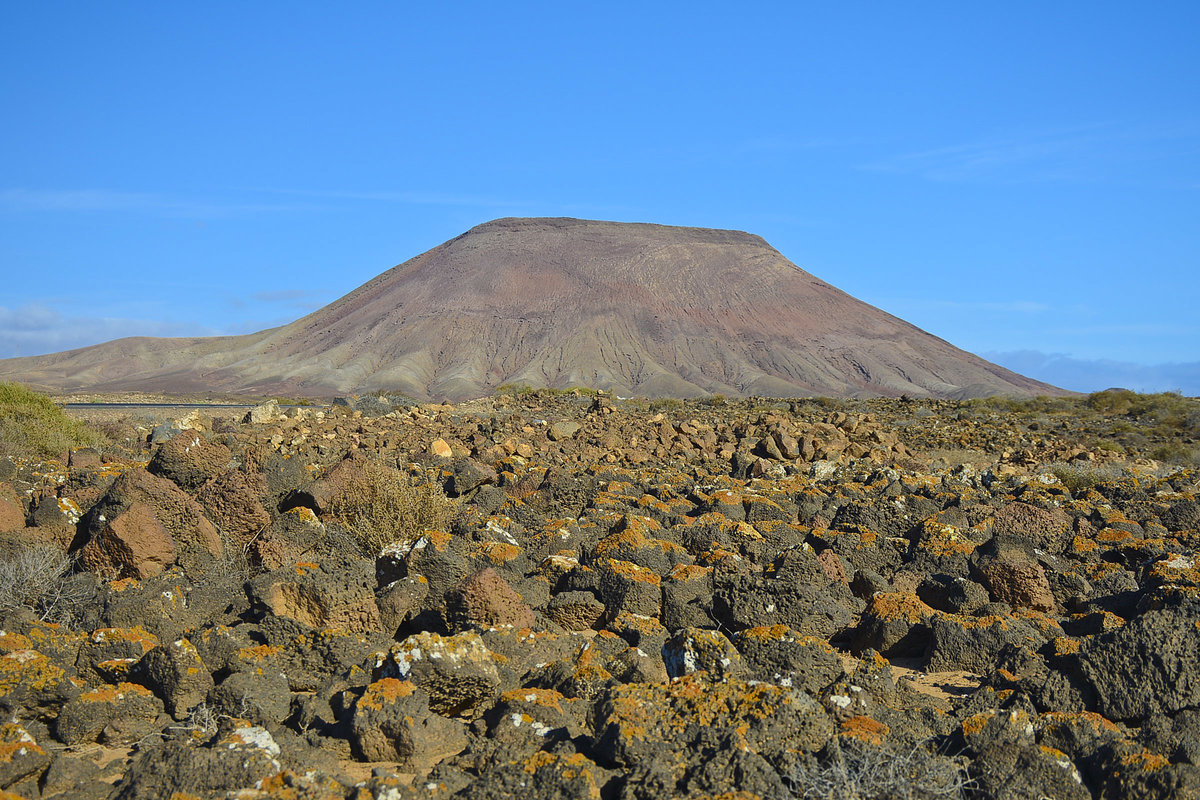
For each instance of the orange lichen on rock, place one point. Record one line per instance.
(899, 606)
(385, 691)
(865, 729)
(547, 698)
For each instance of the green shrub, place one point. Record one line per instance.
(666, 404)
(1111, 401)
(524, 390)
(1169, 409)
(1177, 453)
(31, 424)
(514, 389)
(380, 505)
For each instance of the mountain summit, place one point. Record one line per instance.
(634, 308)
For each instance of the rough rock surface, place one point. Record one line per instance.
(694, 600)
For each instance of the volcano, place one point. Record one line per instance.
(636, 309)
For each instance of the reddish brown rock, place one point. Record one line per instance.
(486, 600)
(232, 501)
(12, 513)
(197, 543)
(84, 457)
(134, 544)
(832, 565)
(1048, 530)
(338, 593)
(1021, 584)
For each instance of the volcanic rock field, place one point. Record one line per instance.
(562, 594)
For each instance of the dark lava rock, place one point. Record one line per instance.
(392, 722)
(1149, 666)
(190, 460)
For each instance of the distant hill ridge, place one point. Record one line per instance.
(634, 308)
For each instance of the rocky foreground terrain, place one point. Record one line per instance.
(563, 595)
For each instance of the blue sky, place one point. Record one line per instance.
(1021, 179)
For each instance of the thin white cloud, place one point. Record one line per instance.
(1176, 329)
(104, 200)
(408, 197)
(36, 329)
(1076, 153)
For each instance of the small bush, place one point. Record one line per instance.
(858, 771)
(37, 577)
(1074, 477)
(514, 389)
(31, 424)
(524, 390)
(380, 505)
(1177, 453)
(1111, 401)
(666, 404)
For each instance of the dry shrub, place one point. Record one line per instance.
(38, 577)
(854, 770)
(380, 505)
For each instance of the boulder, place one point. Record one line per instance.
(336, 593)
(458, 672)
(1021, 583)
(777, 654)
(118, 715)
(894, 624)
(133, 544)
(189, 460)
(1150, 666)
(197, 543)
(392, 722)
(32, 686)
(469, 474)
(794, 591)
(259, 696)
(12, 513)
(263, 413)
(240, 759)
(974, 644)
(1047, 530)
(680, 725)
(175, 673)
(22, 761)
(1009, 764)
(563, 429)
(486, 600)
(697, 650)
(576, 611)
(232, 501)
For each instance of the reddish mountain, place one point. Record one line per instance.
(638, 309)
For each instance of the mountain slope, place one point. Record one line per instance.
(634, 308)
